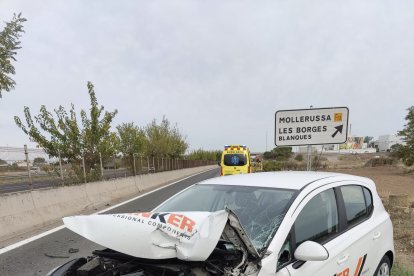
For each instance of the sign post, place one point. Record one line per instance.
(314, 126)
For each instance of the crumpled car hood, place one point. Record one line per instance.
(190, 236)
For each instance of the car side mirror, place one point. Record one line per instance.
(311, 251)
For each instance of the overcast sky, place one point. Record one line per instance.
(219, 69)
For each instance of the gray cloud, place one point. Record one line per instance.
(220, 69)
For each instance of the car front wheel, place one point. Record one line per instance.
(384, 268)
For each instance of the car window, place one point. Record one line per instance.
(285, 254)
(368, 200)
(235, 159)
(318, 220)
(355, 203)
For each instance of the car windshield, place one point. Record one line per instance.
(234, 159)
(260, 210)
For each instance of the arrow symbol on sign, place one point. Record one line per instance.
(338, 129)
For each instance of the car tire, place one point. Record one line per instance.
(384, 267)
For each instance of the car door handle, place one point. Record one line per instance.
(343, 259)
(376, 235)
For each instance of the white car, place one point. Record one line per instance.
(279, 223)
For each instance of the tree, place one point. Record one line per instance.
(69, 140)
(2, 162)
(9, 44)
(368, 139)
(406, 152)
(132, 141)
(164, 140)
(39, 160)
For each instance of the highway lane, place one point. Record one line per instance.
(31, 258)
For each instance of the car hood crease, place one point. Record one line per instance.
(189, 236)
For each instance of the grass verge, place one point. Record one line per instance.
(400, 270)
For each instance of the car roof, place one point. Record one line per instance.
(286, 179)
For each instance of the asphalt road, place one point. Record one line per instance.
(32, 259)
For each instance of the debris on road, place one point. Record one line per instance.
(56, 256)
(73, 250)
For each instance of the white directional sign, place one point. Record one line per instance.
(311, 126)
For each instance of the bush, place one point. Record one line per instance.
(271, 166)
(280, 153)
(379, 161)
(200, 154)
(299, 157)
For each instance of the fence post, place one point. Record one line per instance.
(28, 166)
(114, 165)
(153, 164)
(141, 163)
(84, 169)
(148, 163)
(100, 162)
(158, 164)
(60, 165)
(135, 169)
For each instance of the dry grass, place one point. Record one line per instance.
(394, 180)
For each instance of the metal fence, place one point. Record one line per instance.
(27, 168)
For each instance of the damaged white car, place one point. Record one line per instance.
(286, 223)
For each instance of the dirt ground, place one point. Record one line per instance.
(389, 179)
(394, 180)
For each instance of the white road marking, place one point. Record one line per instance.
(41, 235)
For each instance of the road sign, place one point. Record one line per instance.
(315, 126)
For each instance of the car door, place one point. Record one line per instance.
(324, 219)
(361, 233)
(318, 221)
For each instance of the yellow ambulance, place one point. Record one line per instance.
(235, 159)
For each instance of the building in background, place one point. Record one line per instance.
(385, 142)
(354, 143)
(357, 144)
